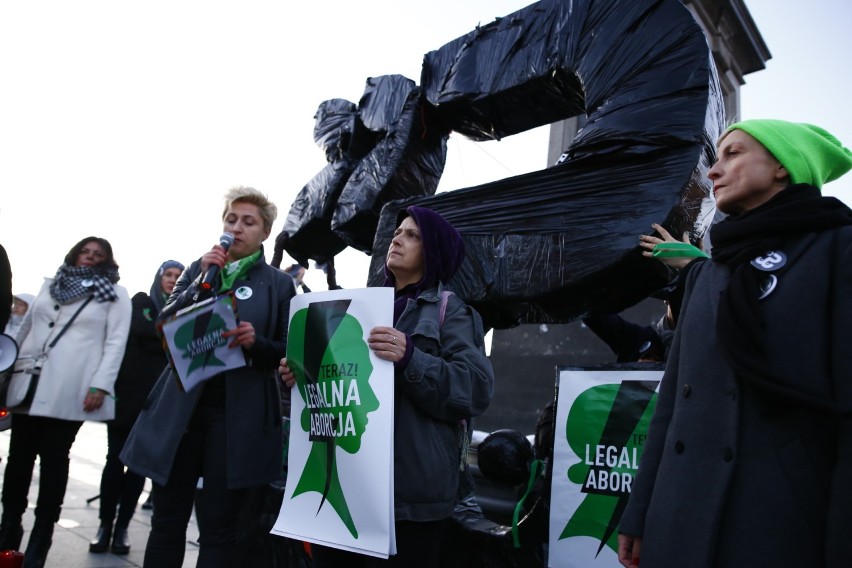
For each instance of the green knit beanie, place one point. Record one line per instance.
(808, 153)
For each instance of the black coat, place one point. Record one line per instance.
(254, 444)
(5, 289)
(144, 361)
(731, 476)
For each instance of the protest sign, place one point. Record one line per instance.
(602, 419)
(339, 489)
(194, 342)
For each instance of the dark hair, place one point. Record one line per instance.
(109, 261)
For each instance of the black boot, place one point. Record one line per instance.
(120, 542)
(39, 544)
(11, 534)
(101, 542)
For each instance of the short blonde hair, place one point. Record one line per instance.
(243, 194)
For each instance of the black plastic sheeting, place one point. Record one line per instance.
(307, 223)
(339, 132)
(407, 160)
(552, 245)
(383, 149)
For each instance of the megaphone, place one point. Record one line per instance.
(8, 352)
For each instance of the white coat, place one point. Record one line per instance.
(87, 356)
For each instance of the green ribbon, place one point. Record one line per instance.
(678, 250)
(535, 466)
(237, 269)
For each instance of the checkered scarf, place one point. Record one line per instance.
(74, 282)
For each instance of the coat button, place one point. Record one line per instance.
(679, 447)
(56, 308)
(686, 390)
(51, 324)
(728, 454)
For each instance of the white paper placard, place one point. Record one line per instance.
(340, 459)
(602, 419)
(194, 341)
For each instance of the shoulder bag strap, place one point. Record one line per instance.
(442, 310)
(65, 327)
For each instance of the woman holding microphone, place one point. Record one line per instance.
(227, 430)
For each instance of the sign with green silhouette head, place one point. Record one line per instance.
(195, 346)
(602, 419)
(340, 460)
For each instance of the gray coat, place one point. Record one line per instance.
(252, 404)
(448, 379)
(731, 477)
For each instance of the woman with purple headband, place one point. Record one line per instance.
(442, 377)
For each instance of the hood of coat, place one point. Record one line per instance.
(443, 247)
(156, 292)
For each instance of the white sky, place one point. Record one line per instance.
(130, 120)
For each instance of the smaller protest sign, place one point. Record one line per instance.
(602, 419)
(193, 338)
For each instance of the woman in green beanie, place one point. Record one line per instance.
(748, 461)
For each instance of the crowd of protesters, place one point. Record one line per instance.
(749, 449)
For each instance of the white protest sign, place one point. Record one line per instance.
(340, 463)
(602, 419)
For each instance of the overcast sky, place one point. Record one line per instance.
(130, 120)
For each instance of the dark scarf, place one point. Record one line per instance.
(74, 282)
(795, 211)
(401, 298)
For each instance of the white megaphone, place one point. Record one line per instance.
(8, 352)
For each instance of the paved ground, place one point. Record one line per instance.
(79, 519)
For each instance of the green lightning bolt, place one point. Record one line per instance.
(612, 416)
(332, 366)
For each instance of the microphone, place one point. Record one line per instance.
(225, 241)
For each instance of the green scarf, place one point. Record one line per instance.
(237, 269)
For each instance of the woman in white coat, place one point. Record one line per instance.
(76, 384)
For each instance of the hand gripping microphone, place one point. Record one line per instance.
(225, 241)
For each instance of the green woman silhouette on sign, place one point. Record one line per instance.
(331, 362)
(605, 429)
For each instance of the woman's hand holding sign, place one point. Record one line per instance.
(287, 375)
(243, 335)
(388, 343)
